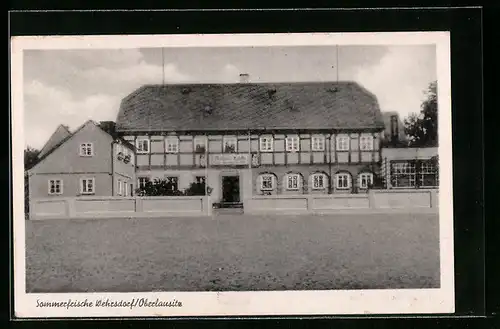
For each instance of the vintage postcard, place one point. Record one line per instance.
(232, 175)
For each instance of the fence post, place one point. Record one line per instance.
(70, 207)
(138, 205)
(309, 203)
(434, 199)
(207, 207)
(371, 199)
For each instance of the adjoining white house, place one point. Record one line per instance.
(87, 162)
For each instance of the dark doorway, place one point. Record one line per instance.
(230, 189)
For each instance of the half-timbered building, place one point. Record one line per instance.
(246, 139)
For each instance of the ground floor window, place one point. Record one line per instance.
(414, 174)
(267, 182)
(200, 179)
(120, 187)
(292, 181)
(318, 181)
(125, 189)
(365, 180)
(142, 181)
(173, 181)
(403, 174)
(55, 186)
(87, 186)
(342, 181)
(428, 174)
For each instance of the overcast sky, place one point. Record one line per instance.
(72, 86)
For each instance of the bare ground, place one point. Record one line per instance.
(233, 253)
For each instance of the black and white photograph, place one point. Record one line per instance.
(232, 174)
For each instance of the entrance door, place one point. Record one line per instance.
(230, 189)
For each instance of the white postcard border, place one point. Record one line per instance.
(268, 303)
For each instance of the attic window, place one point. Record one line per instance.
(86, 150)
(186, 90)
(333, 89)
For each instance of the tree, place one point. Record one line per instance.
(422, 128)
(30, 157)
(30, 160)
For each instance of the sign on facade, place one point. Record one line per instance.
(229, 159)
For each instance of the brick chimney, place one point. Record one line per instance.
(244, 77)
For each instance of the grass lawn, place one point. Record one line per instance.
(233, 253)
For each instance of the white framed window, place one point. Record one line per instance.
(120, 187)
(86, 149)
(172, 145)
(142, 145)
(267, 182)
(200, 179)
(142, 181)
(365, 180)
(428, 174)
(87, 186)
(230, 144)
(292, 181)
(55, 186)
(292, 143)
(343, 181)
(200, 144)
(266, 143)
(343, 143)
(125, 189)
(318, 143)
(318, 181)
(403, 174)
(366, 143)
(174, 181)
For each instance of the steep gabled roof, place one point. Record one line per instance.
(304, 105)
(57, 136)
(61, 142)
(64, 140)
